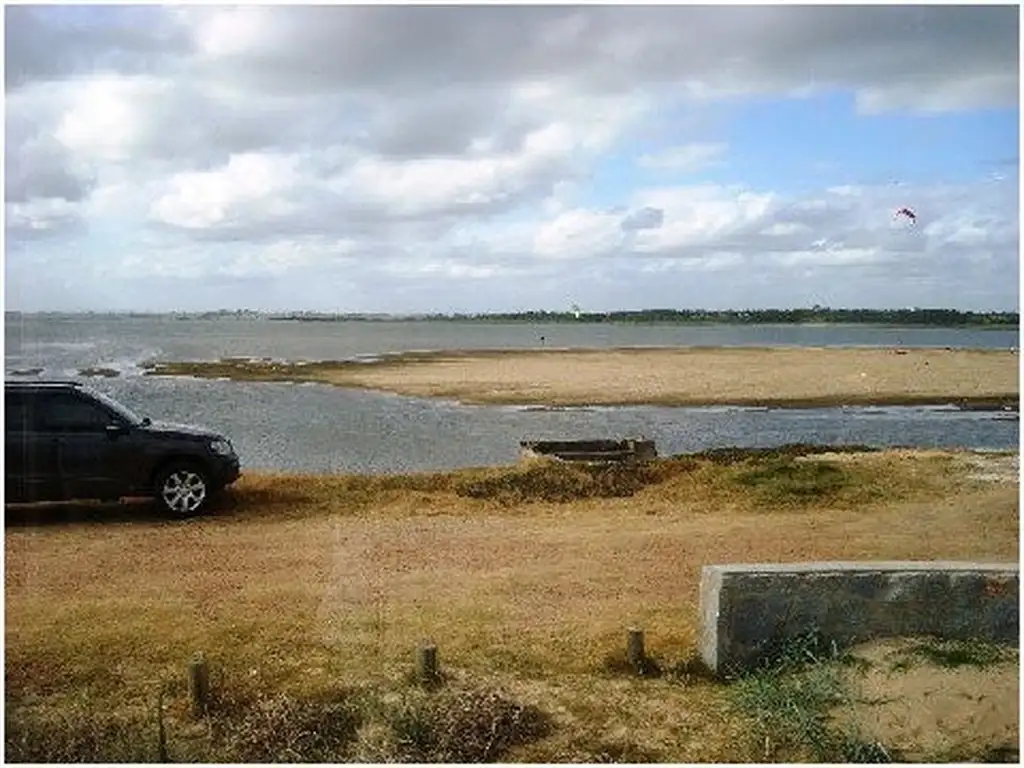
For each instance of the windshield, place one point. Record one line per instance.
(121, 410)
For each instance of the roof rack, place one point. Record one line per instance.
(44, 383)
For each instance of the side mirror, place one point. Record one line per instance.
(146, 421)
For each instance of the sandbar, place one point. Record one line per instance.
(692, 376)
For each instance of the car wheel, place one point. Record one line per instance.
(182, 489)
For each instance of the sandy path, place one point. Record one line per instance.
(695, 376)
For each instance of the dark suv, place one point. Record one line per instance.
(66, 441)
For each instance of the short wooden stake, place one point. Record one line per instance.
(426, 663)
(199, 684)
(635, 650)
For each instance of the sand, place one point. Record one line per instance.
(698, 376)
(926, 710)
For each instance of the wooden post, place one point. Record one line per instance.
(426, 662)
(635, 650)
(161, 730)
(199, 684)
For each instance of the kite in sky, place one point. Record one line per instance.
(908, 213)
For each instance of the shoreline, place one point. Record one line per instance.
(992, 464)
(773, 377)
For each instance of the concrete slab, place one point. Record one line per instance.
(746, 610)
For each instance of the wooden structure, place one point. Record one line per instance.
(597, 451)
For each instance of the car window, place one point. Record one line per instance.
(119, 408)
(62, 412)
(14, 412)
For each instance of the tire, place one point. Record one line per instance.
(182, 489)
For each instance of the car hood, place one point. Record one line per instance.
(189, 430)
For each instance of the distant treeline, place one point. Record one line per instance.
(946, 318)
(903, 317)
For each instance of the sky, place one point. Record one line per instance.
(409, 159)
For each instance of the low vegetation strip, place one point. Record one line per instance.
(747, 376)
(363, 725)
(308, 595)
(930, 317)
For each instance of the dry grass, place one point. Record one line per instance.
(803, 376)
(526, 577)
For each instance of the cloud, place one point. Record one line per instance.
(578, 234)
(249, 185)
(482, 180)
(688, 159)
(445, 156)
(41, 218)
(710, 49)
(645, 218)
(105, 119)
(49, 43)
(41, 168)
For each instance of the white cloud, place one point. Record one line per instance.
(697, 216)
(105, 119)
(579, 234)
(434, 185)
(40, 216)
(444, 269)
(249, 185)
(686, 159)
(231, 31)
(440, 156)
(273, 261)
(784, 228)
(280, 258)
(831, 256)
(717, 262)
(970, 92)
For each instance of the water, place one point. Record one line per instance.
(116, 341)
(314, 428)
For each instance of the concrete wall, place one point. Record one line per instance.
(746, 609)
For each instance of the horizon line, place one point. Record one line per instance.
(498, 313)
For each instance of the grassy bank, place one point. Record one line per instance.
(782, 377)
(309, 594)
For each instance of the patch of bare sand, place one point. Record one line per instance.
(692, 376)
(977, 466)
(990, 467)
(926, 711)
